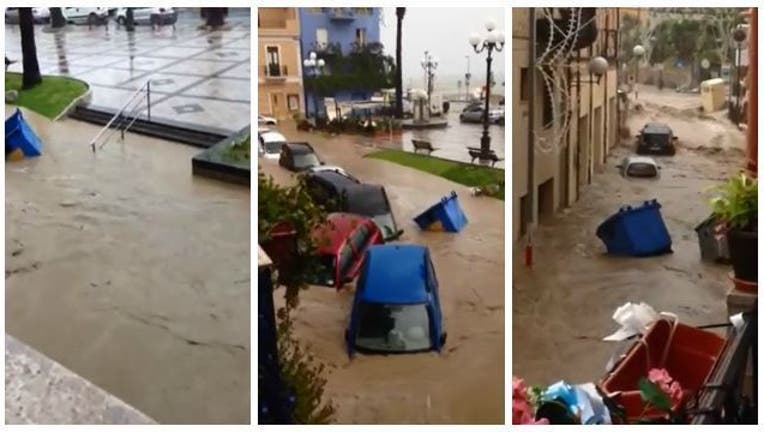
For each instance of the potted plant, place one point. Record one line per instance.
(736, 208)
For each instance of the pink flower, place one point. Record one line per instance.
(522, 411)
(671, 388)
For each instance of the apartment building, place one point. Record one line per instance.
(279, 77)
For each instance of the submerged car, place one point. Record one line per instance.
(656, 138)
(639, 166)
(335, 168)
(271, 143)
(265, 120)
(147, 15)
(396, 308)
(298, 156)
(341, 245)
(342, 193)
(473, 113)
(85, 15)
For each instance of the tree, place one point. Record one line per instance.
(31, 75)
(400, 12)
(215, 17)
(57, 19)
(129, 20)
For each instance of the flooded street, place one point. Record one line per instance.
(562, 307)
(131, 272)
(465, 383)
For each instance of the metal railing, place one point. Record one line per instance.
(125, 117)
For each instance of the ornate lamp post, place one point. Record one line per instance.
(739, 37)
(429, 64)
(315, 67)
(638, 51)
(492, 41)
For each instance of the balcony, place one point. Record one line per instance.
(275, 71)
(340, 14)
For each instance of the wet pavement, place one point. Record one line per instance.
(131, 272)
(562, 308)
(198, 77)
(464, 384)
(452, 142)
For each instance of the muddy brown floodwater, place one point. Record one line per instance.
(465, 383)
(562, 308)
(131, 272)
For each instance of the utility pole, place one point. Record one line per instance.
(530, 199)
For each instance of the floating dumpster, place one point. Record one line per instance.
(20, 138)
(636, 231)
(446, 215)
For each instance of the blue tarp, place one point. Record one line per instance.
(18, 135)
(446, 215)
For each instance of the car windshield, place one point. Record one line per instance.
(640, 169)
(305, 160)
(393, 328)
(272, 147)
(656, 139)
(368, 202)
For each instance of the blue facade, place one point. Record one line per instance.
(344, 26)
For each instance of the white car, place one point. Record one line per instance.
(41, 15)
(162, 15)
(639, 166)
(84, 15)
(264, 120)
(270, 144)
(335, 168)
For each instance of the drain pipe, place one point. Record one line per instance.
(530, 202)
(753, 91)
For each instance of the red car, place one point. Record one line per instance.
(342, 244)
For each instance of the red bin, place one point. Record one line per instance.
(688, 354)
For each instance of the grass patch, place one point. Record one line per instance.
(459, 172)
(48, 98)
(238, 151)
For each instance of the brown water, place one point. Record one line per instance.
(131, 272)
(464, 384)
(562, 307)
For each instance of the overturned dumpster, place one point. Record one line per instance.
(20, 139)
(636, 231)
(445, 215)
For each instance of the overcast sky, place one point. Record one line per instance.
(444, 32)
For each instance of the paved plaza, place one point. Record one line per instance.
(198, 77)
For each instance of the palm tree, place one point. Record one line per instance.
(31, 76)
(399, 12)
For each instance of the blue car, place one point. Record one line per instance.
(396, 308)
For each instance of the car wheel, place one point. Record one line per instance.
(121, 20)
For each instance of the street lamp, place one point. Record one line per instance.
(467, 77)
(638, 51)
(314, 66)
(429, 64)
(739, 37)
(492, 41)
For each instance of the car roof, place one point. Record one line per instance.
(299, 147)
(272, 136)
(640, 159)
(331, 235)
(336, 179)
(395, 273)
(655, 127)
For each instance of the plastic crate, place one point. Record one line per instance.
(636, 231)
(446, 215)
(712, 241)
(688, 354)
(18, 135)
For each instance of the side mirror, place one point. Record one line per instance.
(660, 167)
(443, 338)
(675, 138)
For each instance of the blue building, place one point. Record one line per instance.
(343, 27)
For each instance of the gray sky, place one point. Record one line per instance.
(444, 32)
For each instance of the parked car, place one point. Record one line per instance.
(639, 166)
(341, 245)
(473, 113)
(298, 156)
(341, 193)
(335, 168)
(40, 15)
(12, 15)
(85, 15)
(265, 120)
(396, 308)
(271, 143)
(146, 15)
(656, 138)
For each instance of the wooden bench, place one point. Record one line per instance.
(477, 153)
(422, 145)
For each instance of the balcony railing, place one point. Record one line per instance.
(275, 70)
(341, 14)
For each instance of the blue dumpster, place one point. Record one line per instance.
(636, 231)
(446, 215)
(18, 135)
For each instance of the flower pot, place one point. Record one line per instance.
(744, 254)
